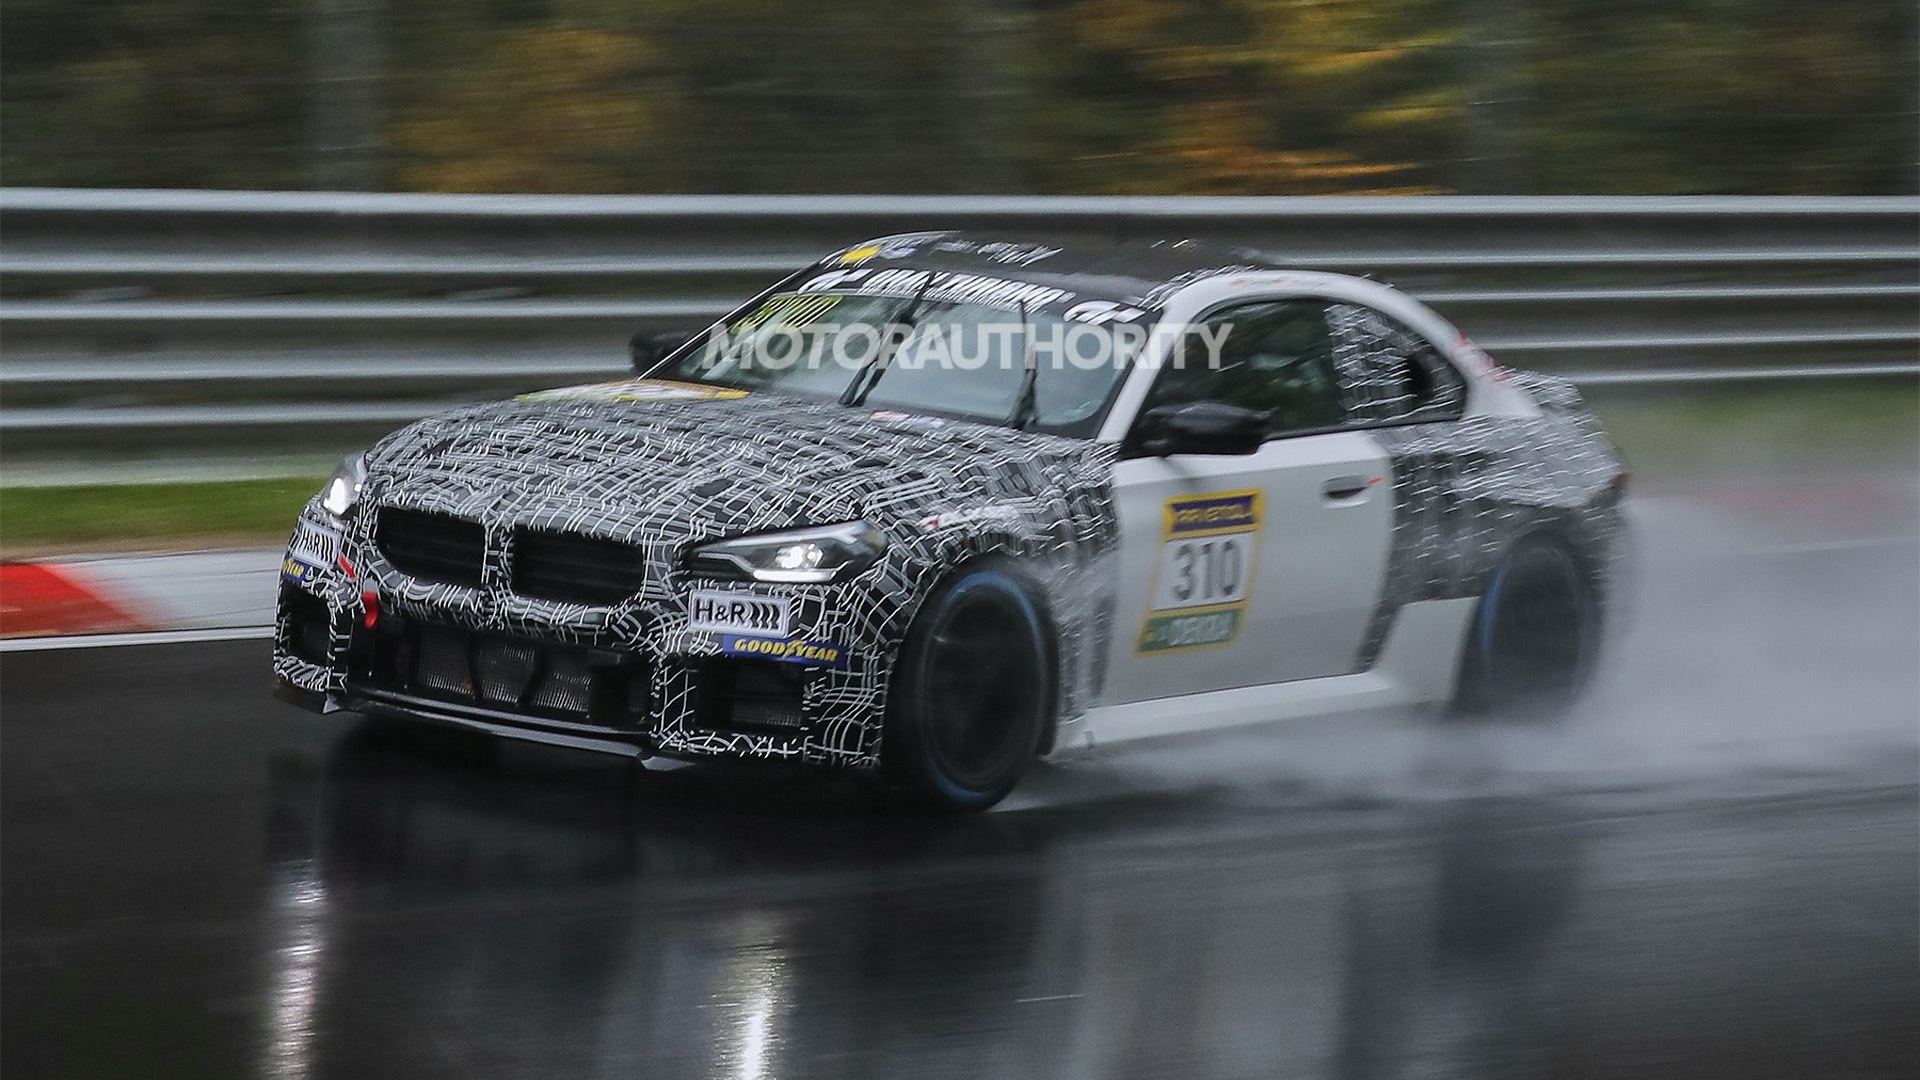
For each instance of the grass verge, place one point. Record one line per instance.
(1762, 431)
(101, 517)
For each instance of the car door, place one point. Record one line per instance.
(1244, 570)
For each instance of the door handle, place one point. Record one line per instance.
(1345, 488)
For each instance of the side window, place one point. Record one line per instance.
(1275, 357)
(1389, 373)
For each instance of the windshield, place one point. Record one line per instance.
(956, 359)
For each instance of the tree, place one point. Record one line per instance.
(154, 93)
(1128, 96)
(1727, 96)
(551, 108)
(1247, 96)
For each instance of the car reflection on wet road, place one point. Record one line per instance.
(575, 919)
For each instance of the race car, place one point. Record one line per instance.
(940, 504)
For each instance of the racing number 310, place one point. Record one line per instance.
(1207, 571)
(1204, 571)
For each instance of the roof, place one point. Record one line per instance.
(1139, 274)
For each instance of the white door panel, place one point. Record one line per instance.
(1241, 571)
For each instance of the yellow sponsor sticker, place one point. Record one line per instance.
(861, 254)
(822, 654)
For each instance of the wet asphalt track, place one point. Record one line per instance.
(1712, 871)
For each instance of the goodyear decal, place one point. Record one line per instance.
(294, 571)
(1210, 545)
(819, 654)
(636, 390)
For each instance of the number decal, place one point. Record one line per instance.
(1209, 545)
(1183, 588)
(1204, 572)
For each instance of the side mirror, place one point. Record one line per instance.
(646, 350)
(1202, 427)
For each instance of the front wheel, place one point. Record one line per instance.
(1531, 643)
(972, 692)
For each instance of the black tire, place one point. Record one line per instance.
(1532, 640)
(972, 692)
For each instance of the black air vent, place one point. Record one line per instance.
(505, 674)
(576, 569)
(750, 695)
(432, 547)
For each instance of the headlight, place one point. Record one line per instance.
(343, 487)
(821, 553)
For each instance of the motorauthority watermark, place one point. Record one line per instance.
(963, 344)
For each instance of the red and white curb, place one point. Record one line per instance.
(197, 593)
(38, 599)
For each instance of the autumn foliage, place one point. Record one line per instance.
(1069, 96)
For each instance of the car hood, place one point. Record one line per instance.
(680, 461)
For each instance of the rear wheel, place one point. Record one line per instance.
(1531, 642)
(972, 692)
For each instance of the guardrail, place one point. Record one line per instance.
(267, 329)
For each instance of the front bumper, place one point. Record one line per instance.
(637, 682)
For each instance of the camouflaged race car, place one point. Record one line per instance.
(940, 504)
